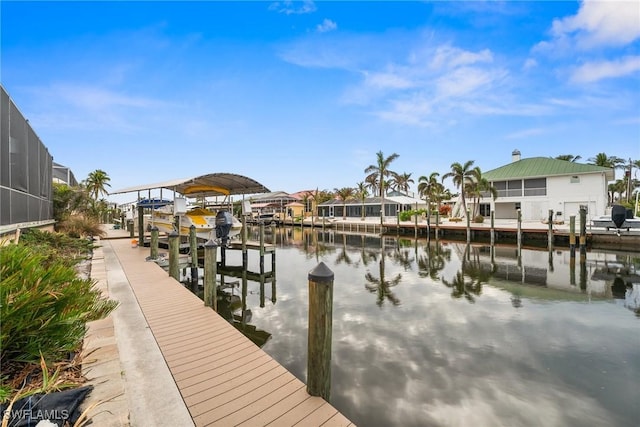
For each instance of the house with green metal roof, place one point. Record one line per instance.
(538, 184)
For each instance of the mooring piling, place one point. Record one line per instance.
(320, 331)
(174, 255)
(153, 247)
(210, 273)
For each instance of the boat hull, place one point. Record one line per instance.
(606, 222)
(203, 220)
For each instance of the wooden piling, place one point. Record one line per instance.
(493, 228)
(468, 226)
(244, 239)
(572, 235)
(210, 274)
(261, 248)
(437, 224)
(320, 331)
(141, 226)
(193, 250)
(153, 247)
(519, 231)
(583, 230)
(174, 255)
(415, 234)
(550, 230)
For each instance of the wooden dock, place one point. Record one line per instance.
(224, 378)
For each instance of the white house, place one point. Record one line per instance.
(538, 184)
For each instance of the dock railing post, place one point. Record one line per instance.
(320, 331)
(437, 224)
(468, 225)
(174, 255)
(210, 274)
(153, 247)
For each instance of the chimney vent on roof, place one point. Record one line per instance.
(515, 155)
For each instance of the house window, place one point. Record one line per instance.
(575, 179)
(485, 209)
(535, 187)
(514, 188)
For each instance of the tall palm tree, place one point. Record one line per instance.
(96, 182)
(461, 176)
(344, 194)
(426, 187)
(568, 157)
(362, 194)
(379, 172)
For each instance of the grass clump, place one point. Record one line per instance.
(44, 306)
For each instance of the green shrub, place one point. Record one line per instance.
(478, 219)
(44, 306)
(57, 246)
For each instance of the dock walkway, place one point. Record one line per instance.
(222, 377)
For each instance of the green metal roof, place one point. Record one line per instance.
(537, 167)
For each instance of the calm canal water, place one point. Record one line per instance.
(445, 334)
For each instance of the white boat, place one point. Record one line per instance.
(606, 222)
(203, 219)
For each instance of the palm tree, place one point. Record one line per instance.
(601, 159)
(378, 172)
(344, 194)
(568, 157)
(362, 194)
(400, 182)
(96, 182)
(478, 187)
(427, 186)
(461, 176)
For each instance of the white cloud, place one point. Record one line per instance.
(600, 23)
(293, 7)
(526, 133)
(327, 25)
(387, 80)
(529, 64)
(595, 71)
(448, 57)
(464, 81)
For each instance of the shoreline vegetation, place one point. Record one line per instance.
(47, 299)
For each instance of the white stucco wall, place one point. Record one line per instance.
(562, 196)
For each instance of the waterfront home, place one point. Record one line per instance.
(393, 204)
(536, 185)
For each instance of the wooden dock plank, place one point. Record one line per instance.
(224, 378)
(288, 411)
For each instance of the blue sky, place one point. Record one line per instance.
(301, 95)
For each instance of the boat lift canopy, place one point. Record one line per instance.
(213, 184)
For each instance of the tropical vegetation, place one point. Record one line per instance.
(44, 306)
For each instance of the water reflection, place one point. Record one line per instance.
(463, 334)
